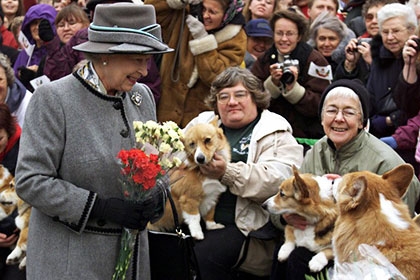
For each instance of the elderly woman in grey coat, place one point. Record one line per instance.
(67, 167)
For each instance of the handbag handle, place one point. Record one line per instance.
(178, 229)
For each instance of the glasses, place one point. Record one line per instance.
(71, 23)
(348, 113)
(394, 32)
(238, 96)
(370, 17)
(288, 34)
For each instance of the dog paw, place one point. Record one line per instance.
(198, 235)
(22, 264)
(210, 225)
(15, 256)
(285, 251)
(318, 262)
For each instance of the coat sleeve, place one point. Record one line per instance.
(37, 174)
(406, 96)
(314, 87)
(406, 136)
(212, 57)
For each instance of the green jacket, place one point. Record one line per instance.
(364, 152)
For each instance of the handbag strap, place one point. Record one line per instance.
(178, 229)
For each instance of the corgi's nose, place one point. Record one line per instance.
(264, 205)
(200, 159)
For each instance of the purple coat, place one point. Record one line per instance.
(406, 135)
(39, 11)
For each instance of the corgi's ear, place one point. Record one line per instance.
(215, 121)
(301, 190)
(400, 177)
(355, 190)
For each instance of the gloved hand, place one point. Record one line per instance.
(378, 125)
(26, 75)
(127, 213)
(158, 195)
(196, 27)
(390, 141)
(45, 31)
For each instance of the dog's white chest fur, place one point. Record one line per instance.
(306, 238)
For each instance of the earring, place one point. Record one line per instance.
(104, 63)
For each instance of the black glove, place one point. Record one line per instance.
(158, 196)
(26, 75)
(45, 31)
(127, 213)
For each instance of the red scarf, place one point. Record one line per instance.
(12, 141)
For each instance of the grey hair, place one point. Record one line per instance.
(343, 92)
(10, 74)
(232, 76)
(327, 21)
(397, 10)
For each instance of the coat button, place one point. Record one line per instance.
(101, 222)
(117, 105)
(124, 133)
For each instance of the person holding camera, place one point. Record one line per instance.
(397, 23)
(285, 72)
(208, 36)
(406, 94)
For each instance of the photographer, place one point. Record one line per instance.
(406, 94)
(397, 23)
(208, 36)
(284, 70)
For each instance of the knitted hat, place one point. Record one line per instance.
(124, 28)
(358, 88)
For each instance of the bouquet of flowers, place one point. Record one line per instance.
(157, 150)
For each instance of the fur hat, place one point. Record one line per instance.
(357, 86)
(124, 28)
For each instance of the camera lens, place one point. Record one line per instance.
(287, 77)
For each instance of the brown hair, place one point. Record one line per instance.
(300, 21)
(7, 120)
(232, 76)
(72, 11)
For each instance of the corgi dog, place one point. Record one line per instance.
(371, 212)
(194, 194)
(311, 197)
(9, 201)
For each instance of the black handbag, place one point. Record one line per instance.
(172, 256)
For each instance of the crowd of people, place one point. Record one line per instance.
(328, 86)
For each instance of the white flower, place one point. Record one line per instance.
(165, 148)
(176, 161)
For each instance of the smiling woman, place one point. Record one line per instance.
(329, 36)
(89, 119)
(297, 97)
(69, 20)
(346, 147)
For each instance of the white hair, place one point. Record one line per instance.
(397, 10)
(343, 92)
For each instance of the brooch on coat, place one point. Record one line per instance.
(137, 98)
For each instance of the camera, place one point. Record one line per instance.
(288, 77)
(367, 40)
(417, 40)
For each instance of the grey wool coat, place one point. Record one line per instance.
(70, 140)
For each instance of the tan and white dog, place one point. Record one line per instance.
(311, 197)
(371, 212)
(9, 201)
(195, 195)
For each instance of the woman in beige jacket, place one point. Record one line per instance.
(263, 151)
